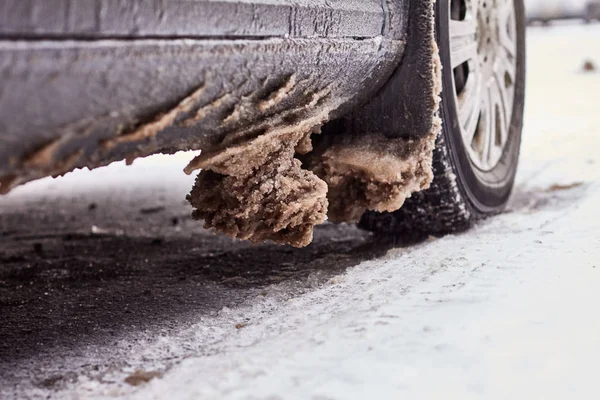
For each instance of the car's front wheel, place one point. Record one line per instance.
(482, 50)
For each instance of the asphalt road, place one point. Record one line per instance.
(109, 289)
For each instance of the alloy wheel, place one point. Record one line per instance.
(483, 53)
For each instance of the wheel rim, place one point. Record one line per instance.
(483, 49)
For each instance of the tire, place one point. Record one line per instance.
(464, 188)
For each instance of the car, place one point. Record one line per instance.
(404, 116)
(592, 11)
(545, 11)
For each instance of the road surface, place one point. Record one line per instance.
(109, 289)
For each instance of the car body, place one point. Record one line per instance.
(593, 10)
(548, 10)
(250, 83)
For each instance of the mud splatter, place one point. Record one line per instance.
(560, 188)
(278, 95)
(256, 189)
(43, 156)
(151, 129)
(140, 377)
(7, 183)
(43, 163)
(589, 66)
(66, 165)
(204, 111)
(238, 143)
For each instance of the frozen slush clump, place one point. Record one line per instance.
(264, 195)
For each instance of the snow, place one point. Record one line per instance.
(467, 316)
(506, 310)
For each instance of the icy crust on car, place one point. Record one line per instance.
(260, 191)
(378, 175)
(257, 189)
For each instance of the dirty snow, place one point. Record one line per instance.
(506, 310)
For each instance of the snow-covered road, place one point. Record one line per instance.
(506, 310)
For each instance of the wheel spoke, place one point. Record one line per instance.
(486, 133)
(499, 122)
(463, 52)
(463, 41)
(505, 24)
(505, 78)
(504, 64)
(462, 29)
(469, 105)
(470, 125)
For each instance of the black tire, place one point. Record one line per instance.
(460, 193)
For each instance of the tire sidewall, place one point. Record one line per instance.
(485, 191)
